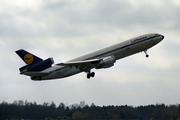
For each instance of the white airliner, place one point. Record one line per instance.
(39, 69)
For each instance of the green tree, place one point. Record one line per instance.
(85, 116)
(77, 116)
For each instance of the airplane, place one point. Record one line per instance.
(39, 69)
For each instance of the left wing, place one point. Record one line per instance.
(85, 65)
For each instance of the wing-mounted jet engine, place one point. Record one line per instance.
(106, 62)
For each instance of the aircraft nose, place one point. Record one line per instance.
(162, 37)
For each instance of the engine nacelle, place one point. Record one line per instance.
(106, 62)
(38, 66)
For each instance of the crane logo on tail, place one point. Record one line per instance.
(28, 58)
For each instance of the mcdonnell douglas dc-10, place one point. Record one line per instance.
(39, 69)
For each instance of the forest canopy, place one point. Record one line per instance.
(31, 110)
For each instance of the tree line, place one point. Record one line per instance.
(33, 111)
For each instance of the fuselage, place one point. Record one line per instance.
(120, 50)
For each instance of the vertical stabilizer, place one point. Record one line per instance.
(27, 57)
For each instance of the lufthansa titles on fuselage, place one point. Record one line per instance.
(138, 40)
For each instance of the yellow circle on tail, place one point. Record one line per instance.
(28, 58)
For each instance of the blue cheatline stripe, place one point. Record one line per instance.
(113, 50)
(122, 47)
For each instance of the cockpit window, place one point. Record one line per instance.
(156, 35)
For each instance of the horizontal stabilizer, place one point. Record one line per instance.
(36, 74)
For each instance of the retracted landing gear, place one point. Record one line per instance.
(89, 74)
(146, 53)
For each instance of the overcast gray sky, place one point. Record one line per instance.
(64, 29)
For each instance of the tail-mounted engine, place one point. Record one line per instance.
(106, 62)
(38, 66)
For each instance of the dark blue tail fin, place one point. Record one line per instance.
(34, 63)
(27, 57)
